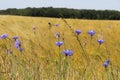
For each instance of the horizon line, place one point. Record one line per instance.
(62, 7)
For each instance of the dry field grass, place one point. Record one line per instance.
(41, 59)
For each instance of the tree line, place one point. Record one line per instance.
(64, 12)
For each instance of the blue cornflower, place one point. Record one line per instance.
(67, 52)
(17, 44)
(3, 36)
(106, 63)
(56, 25)
(78, 32)
(100, 41)
(91, 32)
(20, 49)
(59, 43)
(15, 37)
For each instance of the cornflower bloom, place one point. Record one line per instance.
(56, 25)
(15, 37)
(106, 63)
(59, 43)
(17, 44)
(78, 32)
(67, 52)
(100, 41)
(3, 36)
(91, 32)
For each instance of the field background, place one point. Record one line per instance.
(41, 59)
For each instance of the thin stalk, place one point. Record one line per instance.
(60, 63)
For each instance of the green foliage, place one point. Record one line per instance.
(65, 13)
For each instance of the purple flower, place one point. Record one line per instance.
(78, 32)
(91, 32)
(108, 26)
(100, 41)
(59, 43)
(106, 63)
(20, 49)
(15, 38)
(4, 36)
(17, 44)
(56, 25)
(67, 52)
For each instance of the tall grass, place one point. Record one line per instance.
(41, 59)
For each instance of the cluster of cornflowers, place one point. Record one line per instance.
(17, 43)
(91, 33)
(66, 52)
(69, 52)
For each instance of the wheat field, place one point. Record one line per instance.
(40, 57)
